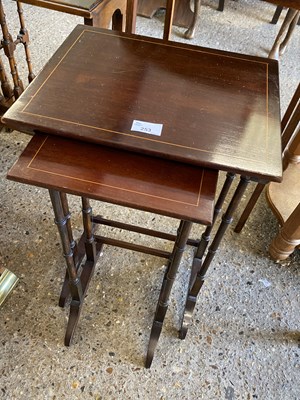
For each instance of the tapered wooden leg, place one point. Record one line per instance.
(74, 279)
(190, 33)
(288, 238)
(221, 5)
(169, 19)
(205, 239)
(284, 34)
(195, 289)
(249, 207)
(169, 277)
(276, 14)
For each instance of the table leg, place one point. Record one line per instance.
(168, 280)
(91, 252)
(199, 280)
(67, 215)
(205, 239)
(74, 279)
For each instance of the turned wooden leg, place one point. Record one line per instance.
(199, 280)
(284, 34)
(74, 279)
(23, 37)
(190, 33)
(205, 239)
(65, 291)
(288, 238)
(168, 280)
(9, 48)
(5, 85)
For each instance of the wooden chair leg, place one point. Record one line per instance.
(249, 207)
(221, 5)
(169, 19)
(190, 33)
(288, 238)
(276, 15)
(284, 34)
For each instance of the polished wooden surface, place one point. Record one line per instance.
(124, 178)
(218, 109)
(286, 3)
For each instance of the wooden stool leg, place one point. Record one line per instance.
(74, 280)
(205, 239)
(288, 238)
(195, 289)
(169, 277)
(284, 34)
(190, 33)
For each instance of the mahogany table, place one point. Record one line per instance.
(166, 100)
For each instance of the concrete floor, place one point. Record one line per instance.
(244, 341)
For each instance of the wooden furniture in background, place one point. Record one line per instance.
(8, 45)
(289, 128)
(100, 13)
(284, 201)
(183, 15)
(218, 113)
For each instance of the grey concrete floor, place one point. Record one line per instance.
(244, 340)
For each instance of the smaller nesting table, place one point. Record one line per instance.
(123, 178)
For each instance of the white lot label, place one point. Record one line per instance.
(146, 127)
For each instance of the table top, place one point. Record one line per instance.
(117, 176)
(214, 108)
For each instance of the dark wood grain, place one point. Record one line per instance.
(218, 109)
(119, 177)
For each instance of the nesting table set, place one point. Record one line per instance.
(146, 124)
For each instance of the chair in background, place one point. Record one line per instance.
(289, 126)
(284, 201)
